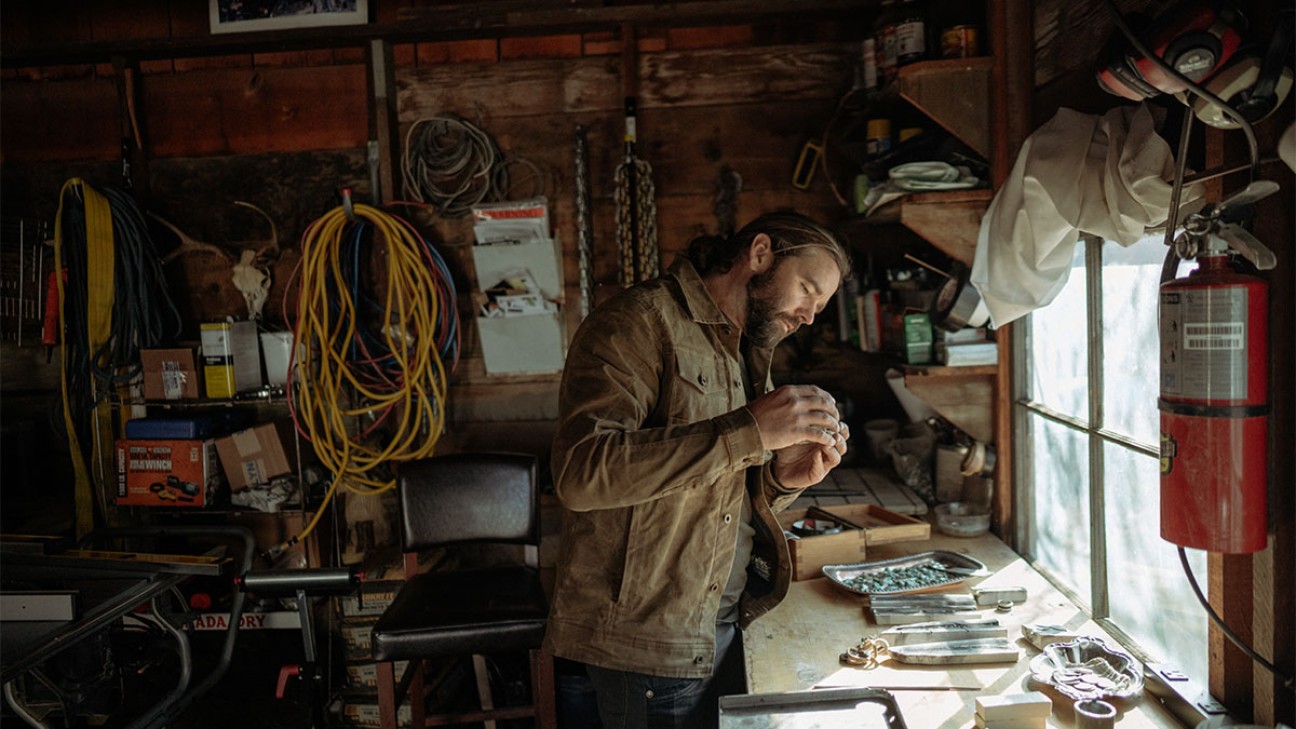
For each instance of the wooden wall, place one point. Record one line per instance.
(286, 130)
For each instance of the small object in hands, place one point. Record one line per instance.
(987, 596)
(1094, 714)
(1004, 606)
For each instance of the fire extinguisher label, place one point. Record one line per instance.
(1203, 343)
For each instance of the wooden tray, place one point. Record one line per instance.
(881, 526)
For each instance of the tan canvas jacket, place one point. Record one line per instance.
(653, 449)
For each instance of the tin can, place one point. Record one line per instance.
(960, 41)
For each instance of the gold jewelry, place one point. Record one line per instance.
(868, 654)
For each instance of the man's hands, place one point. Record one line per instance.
(801, 424)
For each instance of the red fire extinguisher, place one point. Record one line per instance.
(1214, 387)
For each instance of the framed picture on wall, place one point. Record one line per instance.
(240, 16)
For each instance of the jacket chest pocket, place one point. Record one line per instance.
(702, 388)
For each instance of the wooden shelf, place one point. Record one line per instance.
(955, 93)
(949, 220)
(944, 371)
(962, 395)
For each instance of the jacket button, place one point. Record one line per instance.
(713, 587)
(698, 660)
(728, 518)
(724, 330)
(648, 694)
(702, 380)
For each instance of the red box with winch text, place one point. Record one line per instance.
(181, 473)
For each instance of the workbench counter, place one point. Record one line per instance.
(796, 646)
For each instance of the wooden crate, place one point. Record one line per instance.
(810, 554)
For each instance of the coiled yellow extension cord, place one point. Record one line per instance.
(406, 400)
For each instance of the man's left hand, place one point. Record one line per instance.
(806, 464)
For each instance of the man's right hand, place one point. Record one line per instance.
(795, 414)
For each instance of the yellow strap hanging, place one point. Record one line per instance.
(100, 262)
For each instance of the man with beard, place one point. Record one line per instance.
(673, 453)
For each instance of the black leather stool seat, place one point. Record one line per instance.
(445, 614)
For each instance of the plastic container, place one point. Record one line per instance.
(961, 519)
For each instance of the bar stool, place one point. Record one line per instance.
(457, 499)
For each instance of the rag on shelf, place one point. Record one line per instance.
(1107, 176)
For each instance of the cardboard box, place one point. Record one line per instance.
(917, 338)
(170, 374)
(258, 454)
(231, 358)
(881, 526)
(166, 472)
(374, 598)
(357, 636)
(363, 676)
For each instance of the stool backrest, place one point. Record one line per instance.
(469, 497)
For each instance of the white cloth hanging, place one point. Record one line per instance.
(1106, 176)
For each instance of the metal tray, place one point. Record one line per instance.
(1087, 668)
(841, 574)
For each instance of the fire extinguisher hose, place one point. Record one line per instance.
(1287, 681)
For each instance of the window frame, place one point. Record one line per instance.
(1023, 408)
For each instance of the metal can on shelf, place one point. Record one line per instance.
(960, 41)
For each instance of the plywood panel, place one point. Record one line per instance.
(76, 120)
(702, 78)
(252, 111)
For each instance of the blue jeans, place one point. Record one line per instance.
(628, 700)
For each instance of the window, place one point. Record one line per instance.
(1090, 426)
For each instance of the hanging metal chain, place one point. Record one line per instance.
(636, 221)
(584, 221)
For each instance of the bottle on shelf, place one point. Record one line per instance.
(868, 65)
(911, 33)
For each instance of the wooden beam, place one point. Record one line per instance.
(384, 130)
(1011, 81)
(441, 23)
